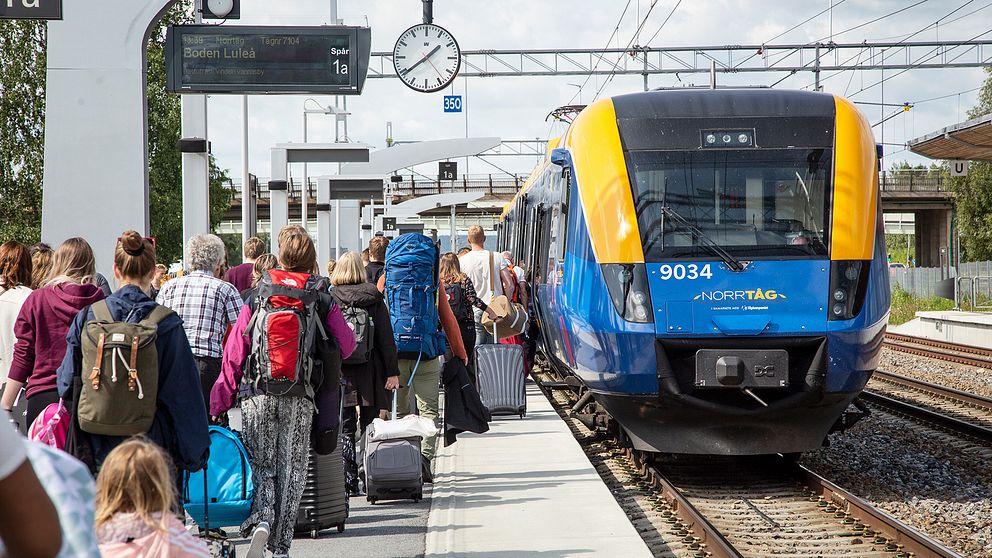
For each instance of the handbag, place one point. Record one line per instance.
(511, 317)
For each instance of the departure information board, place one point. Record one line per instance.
(243, 59)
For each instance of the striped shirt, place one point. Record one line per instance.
(207, 305)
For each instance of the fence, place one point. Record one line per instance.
(922, 281)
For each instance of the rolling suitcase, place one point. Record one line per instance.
(500, 372)
(392, 467)
(324, 503)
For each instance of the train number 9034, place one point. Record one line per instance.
(681, 271)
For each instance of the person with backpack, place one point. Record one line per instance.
(418, 313)
(377, 255)
(277, 345)
(134, 501)
(463, 302)
(371, 370)
(42, 324)
(128, 369)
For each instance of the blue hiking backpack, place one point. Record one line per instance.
(411, 293)
(229, 482)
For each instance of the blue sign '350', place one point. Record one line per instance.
(452, 103)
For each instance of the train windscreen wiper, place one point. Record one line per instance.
(733, 263)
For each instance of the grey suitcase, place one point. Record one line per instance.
(324, 503)
(393, 468)
(500, 370)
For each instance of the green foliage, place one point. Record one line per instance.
(896, 246)
(22, 128)
(905, 306)
(973, 193)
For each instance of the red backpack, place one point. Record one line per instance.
(283, 330)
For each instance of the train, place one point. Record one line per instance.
(710, 265)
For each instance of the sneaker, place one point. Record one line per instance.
(258, 539)
(425, 471)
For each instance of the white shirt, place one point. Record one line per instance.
(10, 305)
(478, 265)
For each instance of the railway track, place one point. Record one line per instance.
(942, 350)
(740, 507)
(942, 406)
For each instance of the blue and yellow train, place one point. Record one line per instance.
(710, 264)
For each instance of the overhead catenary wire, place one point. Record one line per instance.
(613, 72)
(848, 30)
(903, 40)
(616, 29)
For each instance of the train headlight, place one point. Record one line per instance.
(726, 138)
(710, 139)
(848, 284)
(743, 138)
(628, 288)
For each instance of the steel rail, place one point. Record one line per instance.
(710, 539)
(947, 345)
(949, 393)
(899, 536)
(926, 415)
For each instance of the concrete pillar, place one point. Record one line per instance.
(278, 195)
(933, 230)
(96, 163)
(350, 227)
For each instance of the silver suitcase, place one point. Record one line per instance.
(500, 369)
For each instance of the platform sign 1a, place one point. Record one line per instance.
(452, 103)
(447, 170)
(262, 59)
(30, 9)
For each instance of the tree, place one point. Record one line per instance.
(973, 193)
(22, 128)
(22, 132)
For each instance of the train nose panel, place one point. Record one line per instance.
(768, 297)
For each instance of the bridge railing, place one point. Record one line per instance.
(911, 180)
(922, 281)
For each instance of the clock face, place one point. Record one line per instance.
(426, 57)
(220, 8)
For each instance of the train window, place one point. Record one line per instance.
(753, 203)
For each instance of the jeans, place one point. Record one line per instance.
(483, 335)
(425, 387)
(209, 372)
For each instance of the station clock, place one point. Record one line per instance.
(426, 57)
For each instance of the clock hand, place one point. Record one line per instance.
(424, 59)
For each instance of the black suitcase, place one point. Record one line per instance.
(324, 503)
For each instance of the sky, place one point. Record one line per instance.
(515, 108)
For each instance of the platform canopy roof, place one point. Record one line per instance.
(968, 141)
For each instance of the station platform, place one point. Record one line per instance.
(525, 488)
(967, 328)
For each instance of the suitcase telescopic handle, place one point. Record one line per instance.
(392, 414)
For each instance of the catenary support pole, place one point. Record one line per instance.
(246, 198)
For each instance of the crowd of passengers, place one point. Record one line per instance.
(51, 504)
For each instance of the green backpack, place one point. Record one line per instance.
(120, 373)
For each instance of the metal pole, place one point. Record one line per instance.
(644, 53)
(816, 67)
(337, 229)
(306, 178)
(712, 74)
(428, 11)
(246, 198)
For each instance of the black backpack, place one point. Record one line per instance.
(361, 324)
(459, 306)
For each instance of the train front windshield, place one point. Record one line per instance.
(757, 203)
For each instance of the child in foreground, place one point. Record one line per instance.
(134, 506)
